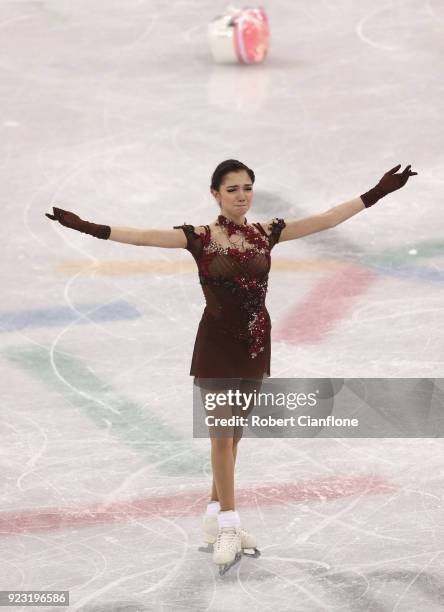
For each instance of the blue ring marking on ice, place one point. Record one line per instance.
(62, 315)
(408, 272)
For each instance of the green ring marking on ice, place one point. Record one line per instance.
(400, 255)
(131, 423)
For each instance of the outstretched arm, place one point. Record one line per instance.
(317, 223)
(169, 239)
(338, 214)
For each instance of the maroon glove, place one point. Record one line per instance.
(69, 219)
(389, 182)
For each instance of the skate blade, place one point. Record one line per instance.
(255, 553)
(207, 549)
(223, 569)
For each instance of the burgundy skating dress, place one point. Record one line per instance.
(233, 338)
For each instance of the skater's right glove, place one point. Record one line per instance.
(69, 219)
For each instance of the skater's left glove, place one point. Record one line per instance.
(389, 182)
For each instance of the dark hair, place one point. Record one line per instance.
(229, 165)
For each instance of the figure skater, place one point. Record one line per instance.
(232, 346)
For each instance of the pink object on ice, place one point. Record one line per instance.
(241, 35)
(251, 35)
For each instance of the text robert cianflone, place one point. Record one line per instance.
(302, 420)
(244, 400)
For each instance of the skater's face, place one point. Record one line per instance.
(235, 194)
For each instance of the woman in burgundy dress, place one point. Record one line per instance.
(232, 346)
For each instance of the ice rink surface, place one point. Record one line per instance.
(115, 111)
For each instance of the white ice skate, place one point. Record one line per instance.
(227, 548)
(211, 528)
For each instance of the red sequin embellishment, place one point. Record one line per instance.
(250, 290)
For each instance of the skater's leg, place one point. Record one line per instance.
(225, 439)
(228, 537)
(222, 458)
(235, 443)
(251, 387)
(214, 494)
(222, 461)
(245, 386)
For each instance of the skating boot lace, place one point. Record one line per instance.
(229, 535)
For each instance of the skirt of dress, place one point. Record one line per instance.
(220, 355)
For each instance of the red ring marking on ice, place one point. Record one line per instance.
(326, 303)
(191, 504)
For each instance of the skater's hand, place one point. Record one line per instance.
(66, 218)
(69, 219)
(391, 181)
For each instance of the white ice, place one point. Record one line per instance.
(114, 110)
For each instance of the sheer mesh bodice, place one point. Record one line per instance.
(233, 338)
